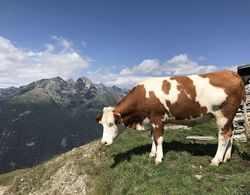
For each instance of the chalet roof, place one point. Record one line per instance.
(244, 72)
(246, 66)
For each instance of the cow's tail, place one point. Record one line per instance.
(246, 122)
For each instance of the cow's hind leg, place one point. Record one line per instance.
(228, 150)
(225, 133)
(229, 145)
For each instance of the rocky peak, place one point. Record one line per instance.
(60, 91)
(5, 93)
(56, 82)
(117, 89)
(70, 83)
(83, 82)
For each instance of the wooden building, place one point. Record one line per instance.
(239, 134)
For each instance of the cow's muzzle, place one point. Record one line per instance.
(105, 143)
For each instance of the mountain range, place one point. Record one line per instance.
(49, 117)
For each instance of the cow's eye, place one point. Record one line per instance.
(111, 124)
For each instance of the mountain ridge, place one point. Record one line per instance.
(49, 117)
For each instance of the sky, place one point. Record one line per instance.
(120, 42)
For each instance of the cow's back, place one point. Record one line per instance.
(186, 97)
(230, 81)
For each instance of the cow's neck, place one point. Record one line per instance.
(127, 107)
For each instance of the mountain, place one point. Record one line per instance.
(48, 117)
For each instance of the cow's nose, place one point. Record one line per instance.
(103, 142)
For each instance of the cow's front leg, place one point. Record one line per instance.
(153, 149)
(159, 150)
(158, 141)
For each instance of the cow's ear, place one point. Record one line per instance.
(98, 118)
(117, 117)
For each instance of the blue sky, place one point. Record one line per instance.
(120, 42)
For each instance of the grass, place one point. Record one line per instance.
(8, 178)
(125, 168)
(128, 170)
(33, 178)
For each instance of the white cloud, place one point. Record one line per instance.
(183, 65)
(109, 79)
(20, 66)
(178, 65)
(149, 66)
(127, 77)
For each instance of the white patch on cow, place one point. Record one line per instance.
(221, 120)
(154, 125)
(165, 117)
(188, 95)
(206, 94)
(146, 125)
(110, 129)
(173, 92)
(139, 127)
(159, 150)
(153, 149)
(155, 84)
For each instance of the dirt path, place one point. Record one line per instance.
(3, 189)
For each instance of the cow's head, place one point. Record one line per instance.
(112, 125)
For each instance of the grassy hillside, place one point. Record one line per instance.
(124, 168)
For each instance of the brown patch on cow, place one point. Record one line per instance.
(227, 131)
(98, 118)
(128, 103)
(117, 117)
(133, 125)
(234, 87)
(186, 106)
(158, 131)
(135, 107)
(166, 86)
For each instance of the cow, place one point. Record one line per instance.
(181, 100)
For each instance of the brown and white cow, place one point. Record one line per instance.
(180, 99)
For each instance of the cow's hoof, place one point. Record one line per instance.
(227, 158)
(158, 161)
(214, 163)
(152, 155)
